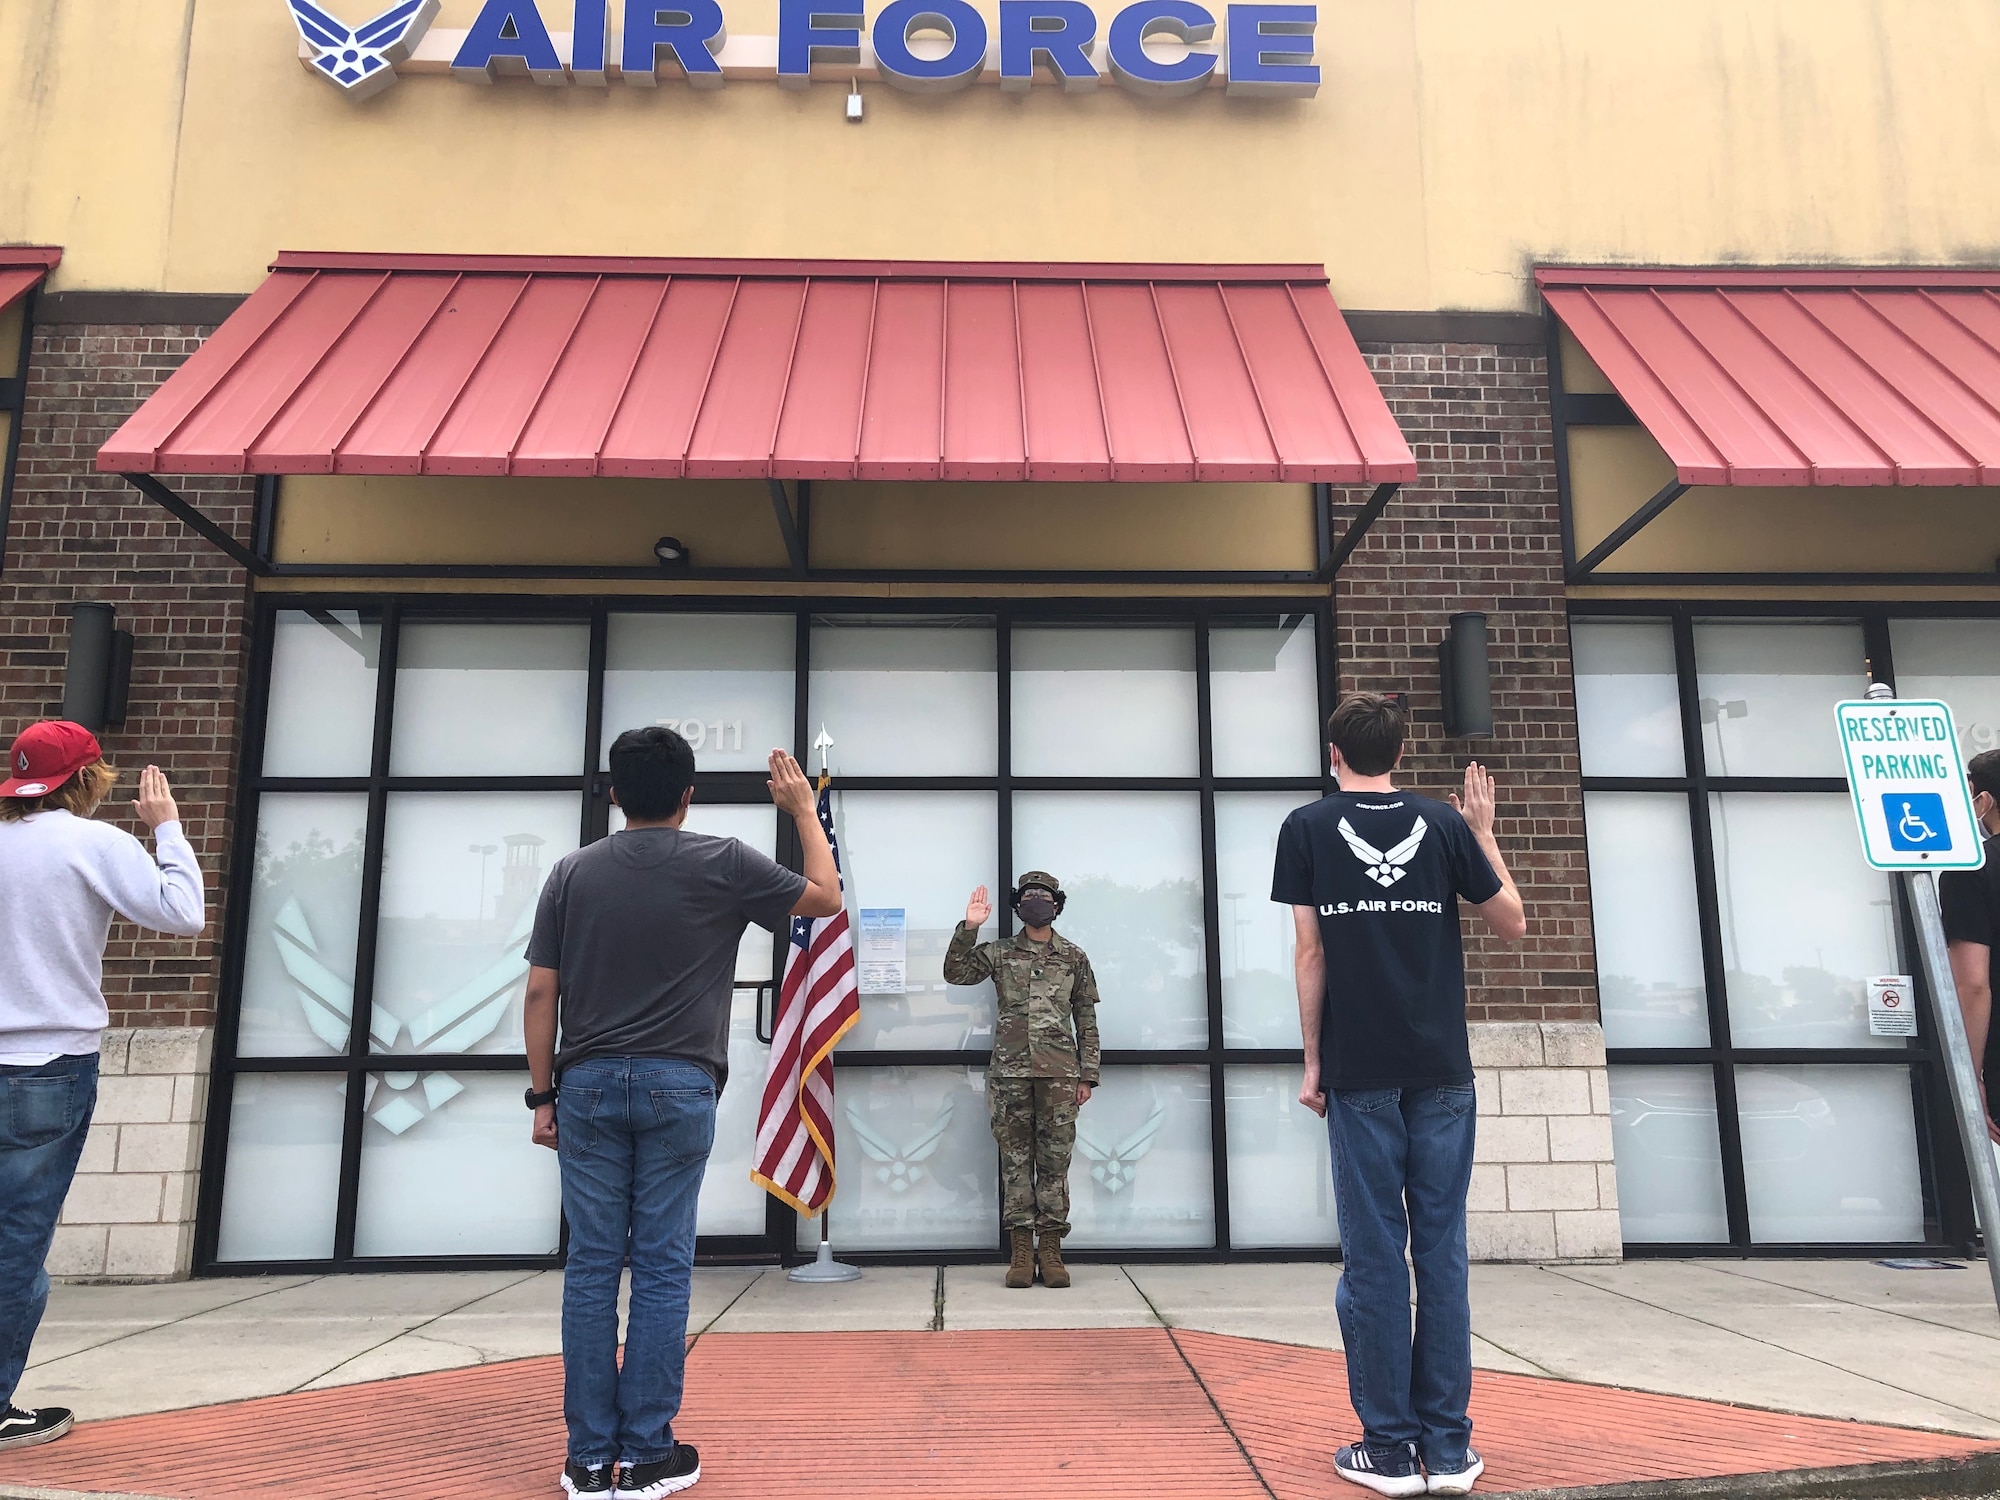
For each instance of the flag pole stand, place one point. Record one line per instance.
(824, 1267)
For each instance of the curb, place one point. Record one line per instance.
(1922, 1479)
(25, 1492)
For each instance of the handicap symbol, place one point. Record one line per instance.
(1916, 821)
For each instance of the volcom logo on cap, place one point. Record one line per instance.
(1384, 868)
(21, 762)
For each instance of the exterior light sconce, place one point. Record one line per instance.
(672, 554)
(97, 681)
(1465, 677)
(854, 105)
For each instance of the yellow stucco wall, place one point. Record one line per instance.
(173, 145)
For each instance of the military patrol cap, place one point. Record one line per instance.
(1041, 878)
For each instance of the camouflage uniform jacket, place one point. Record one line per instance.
(1047, 1027)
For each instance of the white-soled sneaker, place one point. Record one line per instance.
(1385, 1474)
(25, 1429)
(668, 1477)
(1459, 1481)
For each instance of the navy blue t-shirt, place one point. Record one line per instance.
(1386, 870)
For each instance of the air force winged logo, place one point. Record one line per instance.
(1385, 867)
(901, 1166)
(362, 60)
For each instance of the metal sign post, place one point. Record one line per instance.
(1914, 810)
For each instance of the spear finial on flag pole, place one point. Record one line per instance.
(823, 744)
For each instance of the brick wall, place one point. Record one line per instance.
(78, 535)
(1479, 530)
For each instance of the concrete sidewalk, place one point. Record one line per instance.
(1843, 1339)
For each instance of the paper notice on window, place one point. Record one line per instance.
(1892, 1006)
(881, 958)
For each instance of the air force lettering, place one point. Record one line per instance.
(1385, 871)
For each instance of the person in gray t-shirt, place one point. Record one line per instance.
(634, 952)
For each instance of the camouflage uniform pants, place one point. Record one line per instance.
(1034, 1120)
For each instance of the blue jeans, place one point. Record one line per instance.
(44, 1116)
(633, 1134)
(1402, 1164)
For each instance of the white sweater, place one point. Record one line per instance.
(62, 879)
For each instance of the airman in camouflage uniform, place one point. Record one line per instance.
(1045, 1059)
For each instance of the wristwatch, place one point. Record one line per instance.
(536, 1101)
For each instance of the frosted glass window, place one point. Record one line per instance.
(447, 1169)
(756, 824)
(1628, 704)
(724, 682)
(1804, 921)
(730, 1202)
(1643, 911)
(1958, 661)
(1830, 1154)
(1767, 691)
(461, 872)
(1669, 1153)
(1130, 863)
(321, 717)
(305, 911)
(1280, 1166)
(281, 1182)
(478, 699)
(1142, 1175)
(906, 696)
(1260, 1006)
(918, 1167)
(921, 854)
(1104, 701)
(1263, 685)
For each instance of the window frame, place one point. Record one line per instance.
(728, 787)
(1944, 1181)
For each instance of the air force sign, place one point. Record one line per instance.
(361, 60)
(1160, 48)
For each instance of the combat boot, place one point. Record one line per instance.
(1054, 1272)
(1021, 1269)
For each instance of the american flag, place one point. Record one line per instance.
(817, 1002)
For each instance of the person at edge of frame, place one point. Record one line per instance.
(634, 950)
(63, 877)
(1374, 875)
(1971, 905)
(1045, 1064)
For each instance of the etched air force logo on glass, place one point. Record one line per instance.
(361, 60)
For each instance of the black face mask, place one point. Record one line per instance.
(1037, 910)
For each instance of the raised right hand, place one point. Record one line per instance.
(979, 908)
(155, 803)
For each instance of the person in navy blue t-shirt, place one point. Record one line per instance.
(1374, 876)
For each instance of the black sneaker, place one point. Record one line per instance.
(24, 1429)
(588, 1479)
(668, 1477)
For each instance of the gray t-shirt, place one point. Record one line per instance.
(642, 929)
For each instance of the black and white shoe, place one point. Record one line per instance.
(24, 1429)
(668, 1477)
(1458, 1481)
(589, 1479)
(1394, 1473)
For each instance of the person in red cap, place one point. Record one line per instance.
(62, 879)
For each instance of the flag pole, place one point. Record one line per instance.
(823, 1268)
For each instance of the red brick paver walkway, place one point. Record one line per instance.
(841, 1416)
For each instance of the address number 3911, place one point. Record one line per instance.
(697, 732)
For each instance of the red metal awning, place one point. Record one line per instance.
(1800, 377)
(22, 268)
(364, 364)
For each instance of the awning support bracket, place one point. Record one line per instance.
(1357, 529)
(789, 527)
(198, 523)
(1625, 530)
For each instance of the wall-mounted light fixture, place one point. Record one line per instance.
(854, 105)
(1465, 677)
(97, 681)
(672, 554)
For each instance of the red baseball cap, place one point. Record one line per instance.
(47, 754)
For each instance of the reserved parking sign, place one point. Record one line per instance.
(1910, 795)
